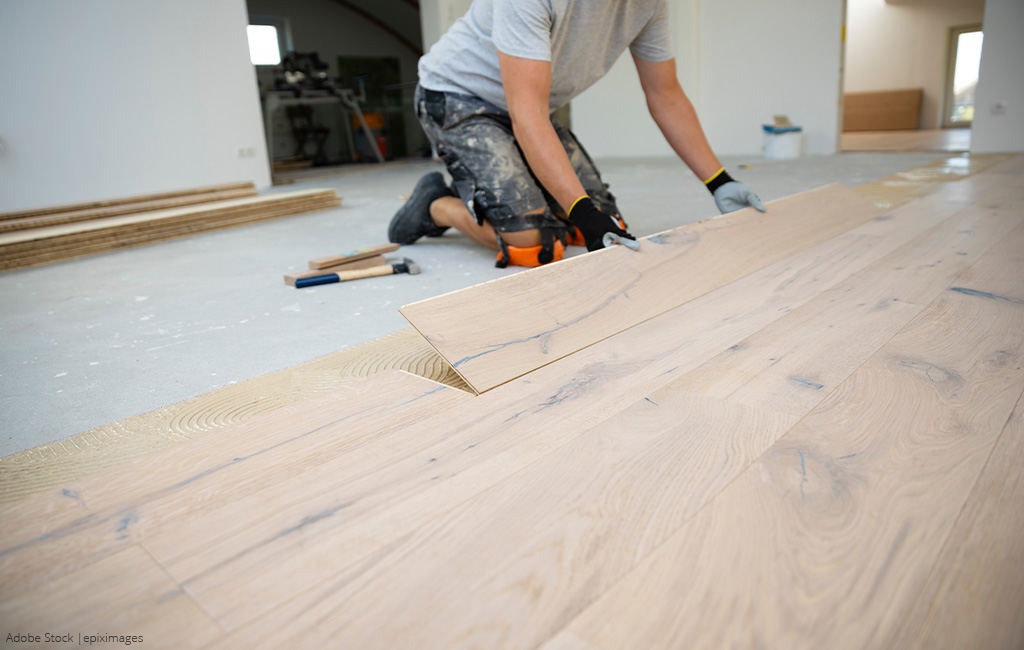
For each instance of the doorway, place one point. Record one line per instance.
(962, 75)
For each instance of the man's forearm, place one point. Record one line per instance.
(677, 119)
(546, 156)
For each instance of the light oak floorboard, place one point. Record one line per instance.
(48, 535)
(486, 605)
(92, 243)
(809, 352)
(126, 594)
(160, 216)
(21, 214)
(828, 540)
(974, 597)
(433, 472)
(113, 211)
(563, 307)
(507, 568)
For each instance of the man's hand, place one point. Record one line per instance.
(593, 224)
(731, 195)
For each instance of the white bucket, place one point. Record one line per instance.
(782, 143)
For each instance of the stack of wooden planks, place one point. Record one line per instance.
(798, 429)
(32, 237)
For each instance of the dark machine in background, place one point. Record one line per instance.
(360, 115)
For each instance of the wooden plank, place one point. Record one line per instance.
(952, 140)
(352, 256)
(974, 597)
(20, 214)
(102, 514)
(502, 569)
(586, 388)
(160, 215)
(178, 223)
(563, 307)
(19, 255)
(811, 350)
(517, 540)
(198, 223)
(607, 374)
(26, 223)
(124, 595)
(366, 263)
(828, 540)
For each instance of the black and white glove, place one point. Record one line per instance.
(593, 224)
(731, 195)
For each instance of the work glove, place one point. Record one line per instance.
(593, 224)
(731, 195)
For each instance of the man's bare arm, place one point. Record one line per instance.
(527, 87)
(675, 116)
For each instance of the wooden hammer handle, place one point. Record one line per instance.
(344, 276)
(372, 272)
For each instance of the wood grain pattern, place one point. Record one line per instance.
(974, 593)
(51, 534)
(827, 541)
(503, 615)
(73, 207)
(59, 242)
(506, 568)
(124, 595)
(810, 351)
(566, 306)
(163, 216)
(391, 489)
(73, 246)
(76, 216)
(808, 455)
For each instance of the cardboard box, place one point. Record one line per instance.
(889, 110)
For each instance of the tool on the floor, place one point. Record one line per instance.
(365, 263)
(405, 266)
(335, 260)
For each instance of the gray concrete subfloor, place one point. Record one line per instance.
(91, 341)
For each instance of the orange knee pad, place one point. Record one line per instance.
(528, 256)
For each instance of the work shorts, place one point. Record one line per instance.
(489, 172)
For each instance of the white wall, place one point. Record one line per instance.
(436, 16)
(905, 45)
(118, 97)
(740, 62)
(1002, 60)
(759, 59)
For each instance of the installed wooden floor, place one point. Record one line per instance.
(818, 445)
(951, 140)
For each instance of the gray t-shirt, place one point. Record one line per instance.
(581, 38)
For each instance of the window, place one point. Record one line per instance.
(962, 76)
(264, 45)
(269, 39)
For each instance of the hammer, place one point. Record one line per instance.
(405, 266)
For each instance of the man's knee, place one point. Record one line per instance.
(533, 239)
(523, 238)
